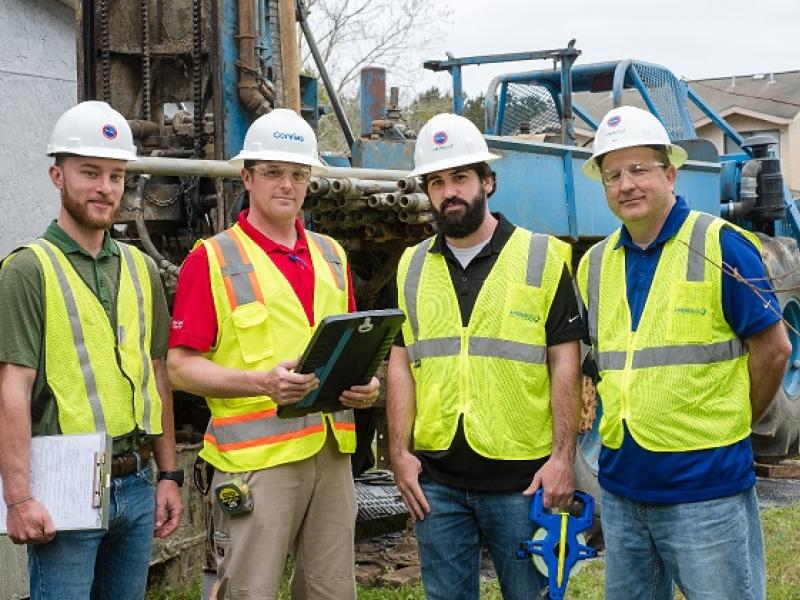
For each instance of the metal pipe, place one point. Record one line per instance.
(748, 185)
(141, 229)
(414, 202)
(290, 59)
(302, 14)
(414, 218)
(221, 168)
(249, 94)
(410, 185)
(319, 186)
(362, 186)
(382, 201)
(372, 97)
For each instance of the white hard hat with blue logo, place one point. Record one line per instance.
(448, 141)
(626, 127)
(281, 135)
(92, 128)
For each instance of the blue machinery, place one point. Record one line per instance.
(530, 122)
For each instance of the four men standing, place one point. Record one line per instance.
(483, 382)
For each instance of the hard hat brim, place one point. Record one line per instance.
(317, 166)
(452, 163)
(93, 152)
(677, 158)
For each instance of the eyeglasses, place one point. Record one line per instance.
(278, 173)
(637, 171)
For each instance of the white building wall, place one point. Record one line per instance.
(37, 83)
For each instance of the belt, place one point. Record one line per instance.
(125, 464)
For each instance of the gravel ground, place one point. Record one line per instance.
(775, 492)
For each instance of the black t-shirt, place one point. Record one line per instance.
(460, 466)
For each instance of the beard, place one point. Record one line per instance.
(460, 225)
(81, 214)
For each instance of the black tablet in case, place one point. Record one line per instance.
(345, 350)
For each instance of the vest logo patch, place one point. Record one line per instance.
(691, 310)
(525, 315)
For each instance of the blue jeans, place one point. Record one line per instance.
(713, 550)
(101, 564)
(452, 534)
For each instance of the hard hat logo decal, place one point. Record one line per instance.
(109, 131)
(439, 138)
(292, 137)
(614, 121)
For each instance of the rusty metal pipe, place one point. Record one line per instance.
(410, 185)
(414, 218)
(253, 100)
(290, 55)
(362, 186)
(144, 235)
(414, 202)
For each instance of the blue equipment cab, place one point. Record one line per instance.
(559, 547)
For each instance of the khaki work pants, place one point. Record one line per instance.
(307, 508)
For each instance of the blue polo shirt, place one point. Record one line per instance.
(672, 477)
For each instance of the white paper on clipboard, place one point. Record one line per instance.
(70, 475)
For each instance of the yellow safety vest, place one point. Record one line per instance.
(680, 381)
(494, 371)
(261, 322)
(102, 379)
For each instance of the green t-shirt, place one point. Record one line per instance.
(22, 316)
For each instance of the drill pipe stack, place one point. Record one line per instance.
(356, 211)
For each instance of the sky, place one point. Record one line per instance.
(694, 39)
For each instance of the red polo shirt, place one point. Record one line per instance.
(194, 320)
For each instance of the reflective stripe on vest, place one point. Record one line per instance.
(237, 271)
(147, 370)
(264, 427)
(488, 347)
(78, 337)
(689, 354)
(330, 256)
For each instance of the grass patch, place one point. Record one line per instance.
(783, 570)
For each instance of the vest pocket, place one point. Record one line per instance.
(689, 320)
(253, 331)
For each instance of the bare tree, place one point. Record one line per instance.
(396, 34)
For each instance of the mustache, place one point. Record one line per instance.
(447, 202)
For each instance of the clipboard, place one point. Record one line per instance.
(345, 350)
(71, 477)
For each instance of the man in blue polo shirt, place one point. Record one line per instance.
(688, 359)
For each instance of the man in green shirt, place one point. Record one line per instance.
(85, 336)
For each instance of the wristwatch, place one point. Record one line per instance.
(176, 476)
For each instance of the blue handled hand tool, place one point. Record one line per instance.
(558, 544)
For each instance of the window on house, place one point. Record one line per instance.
(733, 148)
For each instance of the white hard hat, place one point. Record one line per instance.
(448, 141)
(628, 126)
(93, 128)
(281, 135)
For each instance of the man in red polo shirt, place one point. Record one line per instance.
(247, 303)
